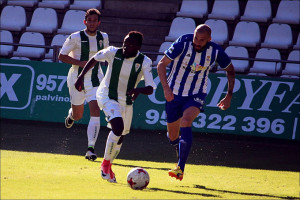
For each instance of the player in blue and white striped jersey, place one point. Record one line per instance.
(190, 58)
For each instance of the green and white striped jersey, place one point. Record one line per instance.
(123, 74)
(81, 46)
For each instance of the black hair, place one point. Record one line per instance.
(92, 11)
(138, 36)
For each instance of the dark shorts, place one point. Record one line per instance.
(176, 107)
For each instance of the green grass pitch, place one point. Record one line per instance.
(26, 175)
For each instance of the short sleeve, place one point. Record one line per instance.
(105, 54)
(223, 59)
(147, 73)
(106, 41)
(175, 49)
(68, 45)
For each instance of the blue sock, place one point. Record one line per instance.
(185, 144)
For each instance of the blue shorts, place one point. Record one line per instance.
(176, 107)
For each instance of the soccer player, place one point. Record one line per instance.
(190, 57)
(117, 91)
(77, 49)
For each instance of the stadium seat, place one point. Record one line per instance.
(27, 3)
(246, 34)
(257, 11)
(163, 47)
(57, 40)
(40, 17)
(266, 67)
(239, 65)
(61, 4)
(50, 60)
(278, 36)
(13, 18)
(297, 45)
(256, 74)
(20, 58)
(291, 68)
(85, 5)
(288, 12)
(219, 30)
(6, 36)
(72, 22)
(31, 52)
(289, 76)
(225, 9)
(180, 26)
(47, 60)
(220, 71)
(192, 8)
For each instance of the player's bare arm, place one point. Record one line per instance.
(79, 82)
(225, 102)
(136, 91)
(162, 73)
(72, 61)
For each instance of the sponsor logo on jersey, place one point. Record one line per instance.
(196, 67)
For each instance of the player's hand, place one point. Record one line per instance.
(79, 83)
(134, 93)
(168, 93)
(224, 104)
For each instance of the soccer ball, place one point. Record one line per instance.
(138, 178)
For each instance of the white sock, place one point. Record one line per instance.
(111, 144)
(70, 114)
(93, 131)
(117, 151)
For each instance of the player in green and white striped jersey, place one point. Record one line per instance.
(117, 91)
(78, 48)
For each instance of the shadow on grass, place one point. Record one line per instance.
(132, 166)
(243, 193)
(183, 192)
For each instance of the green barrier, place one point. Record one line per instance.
(261, 106)
(33, 90)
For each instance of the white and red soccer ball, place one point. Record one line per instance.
(138, 178)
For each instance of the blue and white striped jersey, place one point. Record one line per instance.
(189, 69)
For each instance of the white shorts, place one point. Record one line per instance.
(89, 92)
(113, 109)
(77, 98)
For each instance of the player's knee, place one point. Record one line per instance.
(118, 130)
(121, 140)
(173, 138)
(186, 122)
(117, 126)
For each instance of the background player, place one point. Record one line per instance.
(117, 91)
(77, 49)
(191, 57)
